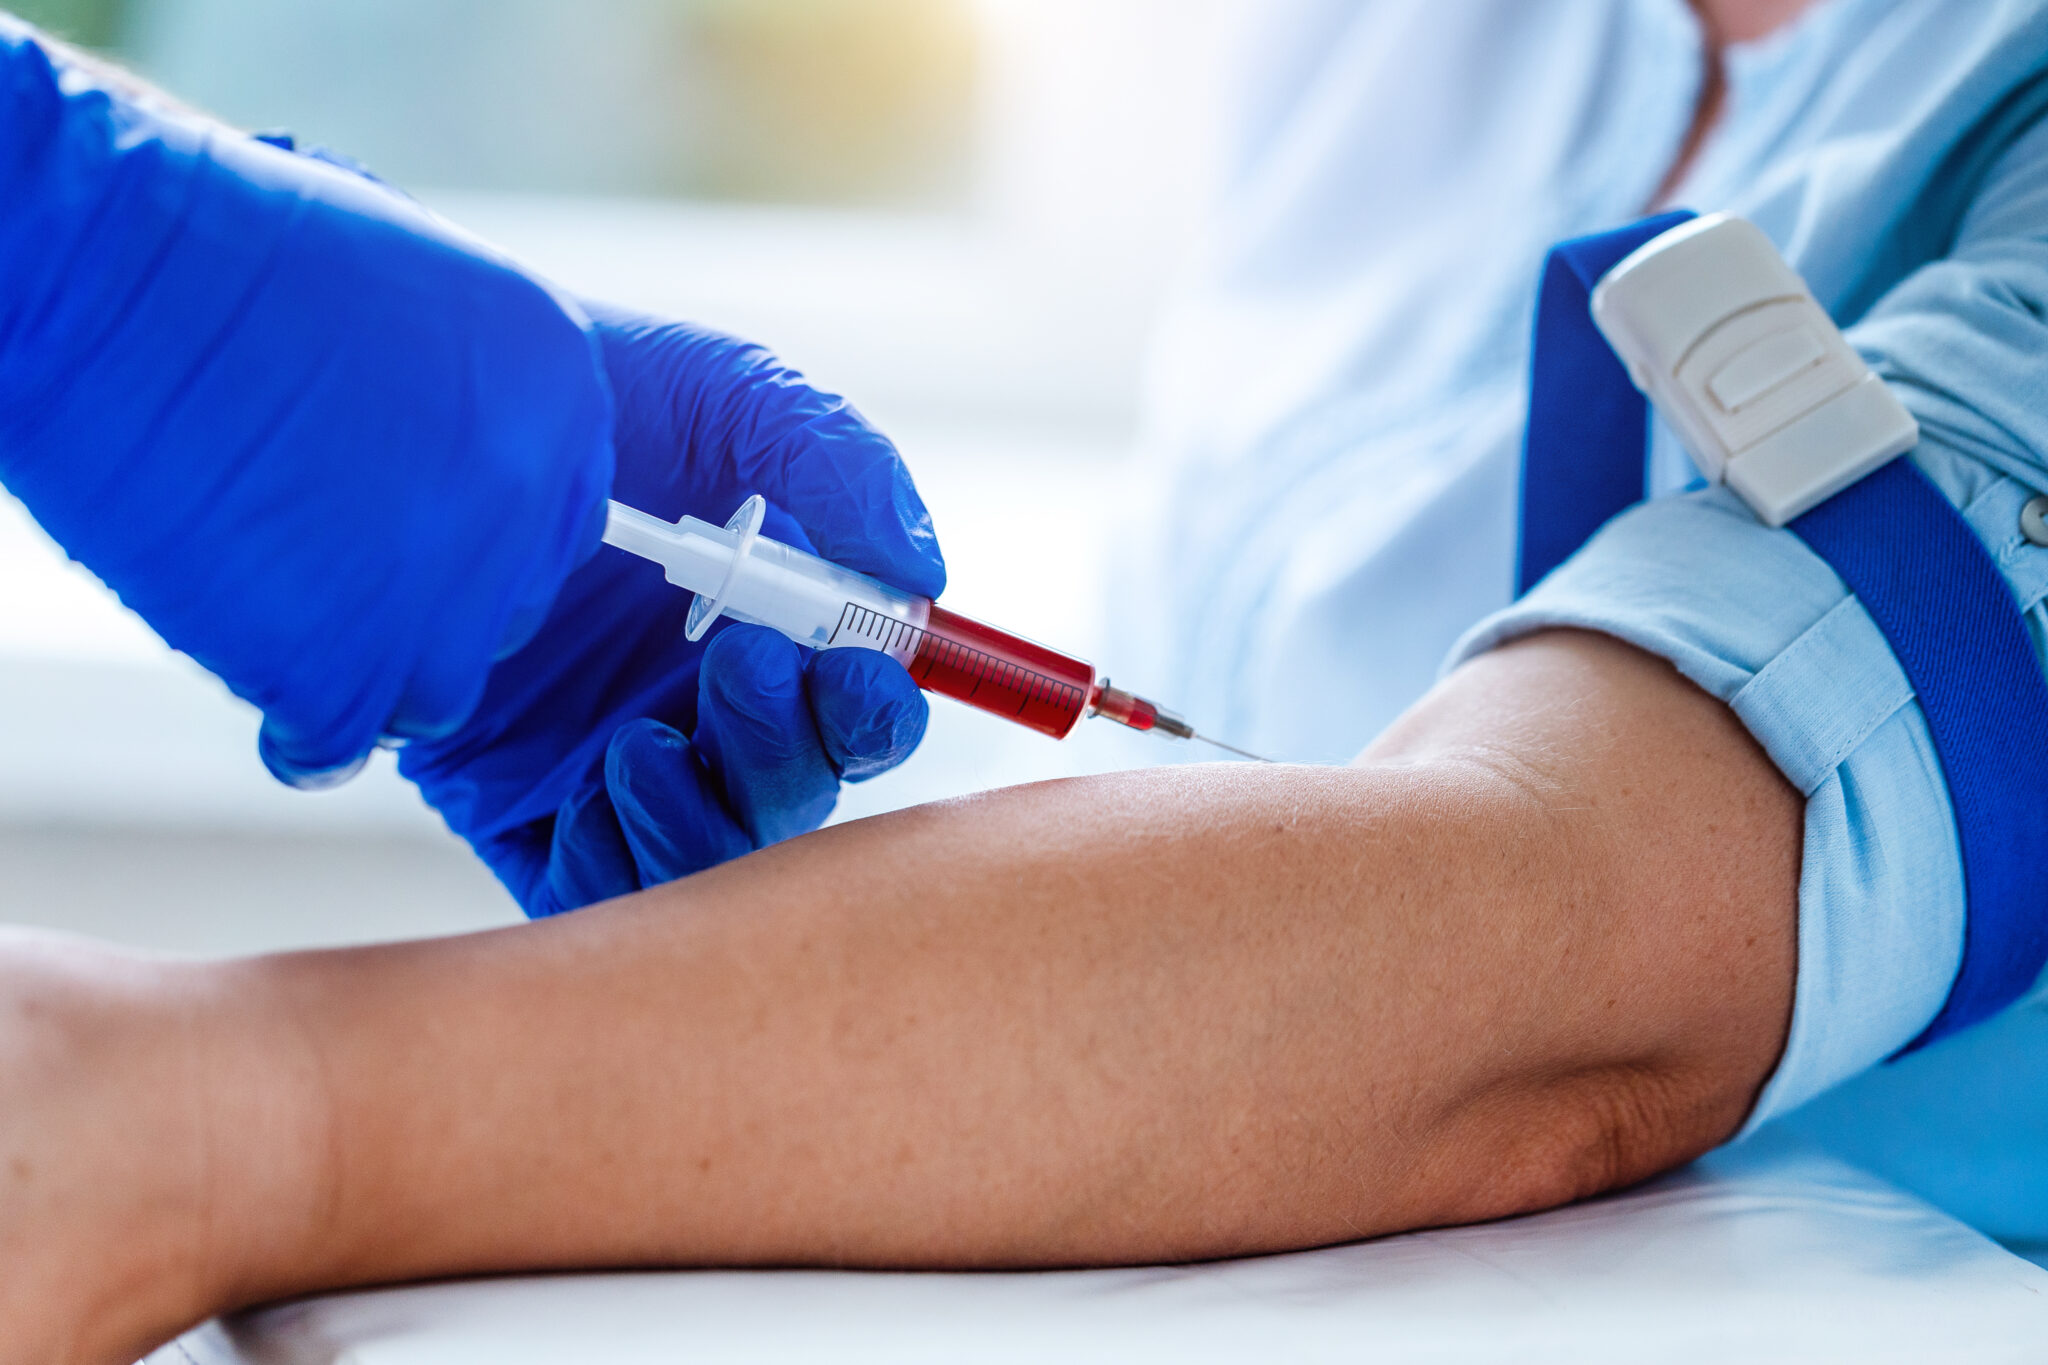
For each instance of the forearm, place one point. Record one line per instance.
(1538, 944)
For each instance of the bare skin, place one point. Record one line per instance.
(1537, 943)
(1745, 21)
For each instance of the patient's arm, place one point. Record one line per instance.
(1537, 943)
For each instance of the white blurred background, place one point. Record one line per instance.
(962, 213)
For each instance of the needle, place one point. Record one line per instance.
(1232, 748)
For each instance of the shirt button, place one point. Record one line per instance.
(2034, 521)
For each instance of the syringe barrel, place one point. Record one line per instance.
(815, 602)
(767, 583)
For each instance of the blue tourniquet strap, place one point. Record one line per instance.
(1574, 475)
(1910, 559)
(1931, 586)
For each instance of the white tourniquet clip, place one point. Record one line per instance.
(1759, 384)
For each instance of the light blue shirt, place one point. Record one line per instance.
(1349, 509)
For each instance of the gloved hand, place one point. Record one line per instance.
(611, 753)
(339, 454)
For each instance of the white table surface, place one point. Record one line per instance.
(1759, 1254)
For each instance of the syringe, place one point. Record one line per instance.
(740, 573)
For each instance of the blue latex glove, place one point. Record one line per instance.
(336, 452)
(611, 753)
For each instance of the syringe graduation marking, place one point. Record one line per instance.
(980, 677)
(891, 635)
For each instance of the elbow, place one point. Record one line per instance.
(1624, 1124)
(1546, 1142)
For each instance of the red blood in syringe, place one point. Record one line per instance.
(1021, 680)
(1014, 678)
(1005, 674)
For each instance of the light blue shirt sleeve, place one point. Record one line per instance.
(1762, 623)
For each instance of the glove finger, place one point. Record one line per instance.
(755, 732)
(308, 765)
(589, 860)
(870, 715)
(845, 484)
(729, 403)
(668, 807)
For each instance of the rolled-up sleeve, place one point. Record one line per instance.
(1758, 620)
